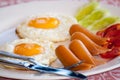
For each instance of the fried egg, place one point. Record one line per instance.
(42, 52)
(50, 27)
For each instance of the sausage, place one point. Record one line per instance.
(94, 48)
(77, 28)
(78, 48)
(67, 58)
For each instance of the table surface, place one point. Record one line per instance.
(109, 75)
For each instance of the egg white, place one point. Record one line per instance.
(46, 58)
(60, 33)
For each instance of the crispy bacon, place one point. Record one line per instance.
(113, 34)
(114, 52)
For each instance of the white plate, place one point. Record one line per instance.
(10, 16)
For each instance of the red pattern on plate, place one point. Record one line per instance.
(109, 75)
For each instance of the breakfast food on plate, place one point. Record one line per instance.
(68, 59)
(79, 49)
(84, 48)
(103, 23)
(52, 27)
(94, 48)
(97, 39)
(109, 49)
(86, 10)
(62, 52)
(42, 52)
(113, 33)
(94, 18)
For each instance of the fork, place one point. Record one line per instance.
(31, 64)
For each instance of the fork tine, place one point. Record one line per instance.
(74, 65)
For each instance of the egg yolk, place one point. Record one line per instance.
(44, 22)
(28, 49)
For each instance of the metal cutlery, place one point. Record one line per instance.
(31, 64)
